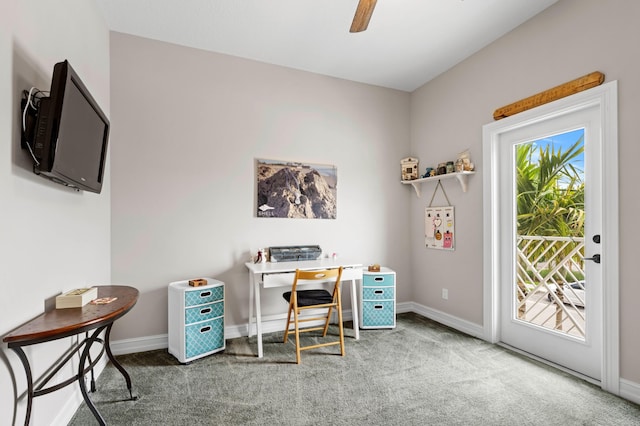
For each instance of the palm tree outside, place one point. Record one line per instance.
(550, 189)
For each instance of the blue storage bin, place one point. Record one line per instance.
(204, 337)
(203, 313)
(378, 293)
(378, 313)
(378, 280)
(206, 295)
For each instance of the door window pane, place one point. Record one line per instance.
(550, 283)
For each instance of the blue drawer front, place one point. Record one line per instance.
(378, 314)
(204, 337)
(206, 295)
(377, 293)
(203, 313)
(382, 280)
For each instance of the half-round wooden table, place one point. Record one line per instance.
(60, 323)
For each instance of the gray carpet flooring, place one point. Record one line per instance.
(420, 373)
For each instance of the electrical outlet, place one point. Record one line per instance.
(445, 294)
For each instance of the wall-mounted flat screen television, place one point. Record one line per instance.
(70, 132)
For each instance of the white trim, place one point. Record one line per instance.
(140, 344)
(605, 97)
(490, 249)
(630, 390)
(610, 240)
(405, 307)
(459, 324)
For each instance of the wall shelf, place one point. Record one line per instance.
(417, 183)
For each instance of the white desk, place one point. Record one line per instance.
(280, 274)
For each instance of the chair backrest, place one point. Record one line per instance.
(329, 275)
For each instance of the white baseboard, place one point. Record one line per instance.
(140, 344)
(630, 390)
(459, 324)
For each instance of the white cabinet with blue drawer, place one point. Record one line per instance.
(378, 299)
(196, 319)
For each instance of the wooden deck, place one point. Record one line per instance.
(544, 313)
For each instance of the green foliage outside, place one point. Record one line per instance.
(550, 191)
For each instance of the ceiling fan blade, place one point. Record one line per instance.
(362, 16)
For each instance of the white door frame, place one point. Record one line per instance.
(605, 97)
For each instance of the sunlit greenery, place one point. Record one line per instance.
(550, 191)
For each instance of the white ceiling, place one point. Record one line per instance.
(408, 42)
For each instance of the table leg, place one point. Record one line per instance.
(81, 383)
(27, 369)
(258, 317)
(127, 378)
(354, 310)
(251, 302)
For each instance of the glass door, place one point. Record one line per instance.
(550, 299)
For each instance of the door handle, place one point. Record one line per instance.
(595, 258)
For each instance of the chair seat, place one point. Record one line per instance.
(310, 297)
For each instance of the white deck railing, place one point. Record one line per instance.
(550, 283)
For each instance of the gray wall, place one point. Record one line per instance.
(566, 41)
(51, 238)
(187, 128)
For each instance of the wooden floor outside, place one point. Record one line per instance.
(540, 311)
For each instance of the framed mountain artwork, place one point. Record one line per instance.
(288, 189)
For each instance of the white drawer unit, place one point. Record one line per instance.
(378, 299)
(196, 319)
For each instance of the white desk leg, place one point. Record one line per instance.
(354, 310)
(251, 302)
(258, 317)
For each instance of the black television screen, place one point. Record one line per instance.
(71, 134)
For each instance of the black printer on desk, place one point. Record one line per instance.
(294, 253)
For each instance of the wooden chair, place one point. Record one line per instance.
(301, 300)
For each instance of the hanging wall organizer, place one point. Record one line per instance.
(439, 224)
